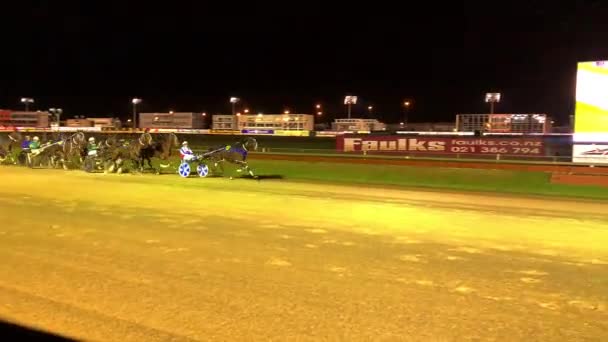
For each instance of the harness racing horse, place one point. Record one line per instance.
(114, 153)
(74, 149)
(234, 154)
(54, 152)
(51, 153)
(160, 149)
(132, 151)
(6, 146)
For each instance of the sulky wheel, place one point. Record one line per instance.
(184, 170)
(89, 165)
(202, 170)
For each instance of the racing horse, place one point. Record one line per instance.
(51, 152)
(114, 152)
(235, 154)
(6, 146)
(133, 150)
(160, 149)
(59, 151)
(74, 149)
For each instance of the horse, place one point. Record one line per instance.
(51, 153)
(131, 151)
(6, 146)
(160, 149)
(114, 154)
(234, 154)
(74, 148)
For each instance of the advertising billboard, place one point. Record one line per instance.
(590, 154)
(5, 117)
(591, 114)
(431, 145)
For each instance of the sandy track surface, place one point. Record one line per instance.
(134, 258)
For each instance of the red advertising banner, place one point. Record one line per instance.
(5, 116)
(466, 145)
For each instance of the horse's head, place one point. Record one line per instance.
(145, 139)
(78, 138)
(111, 141)
(174, 141)
(165, 146)
(250, 144)
(15, 136)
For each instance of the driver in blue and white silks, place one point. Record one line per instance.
(186, 153)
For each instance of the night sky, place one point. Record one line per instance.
(90, 59)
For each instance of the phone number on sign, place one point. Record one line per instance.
(495, 150)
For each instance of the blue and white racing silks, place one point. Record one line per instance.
(185, 150)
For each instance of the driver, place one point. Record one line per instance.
(35, 145)
(186, 153)
(92, 147)
(25, 145)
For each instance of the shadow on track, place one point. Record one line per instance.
(261, 177)
(16, 332)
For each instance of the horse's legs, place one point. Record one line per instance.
(221, 166)
(140, 164)
(244, 166)
(64, 161)
(249, 170)
(157, 171)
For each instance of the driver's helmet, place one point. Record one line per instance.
(185, 143)
(27, 137)
(91, 140)
(36, 139)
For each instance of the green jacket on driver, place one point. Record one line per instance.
(34, 145)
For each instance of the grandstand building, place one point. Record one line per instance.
(9, 118)
(281, 122)
(342, 125)
(503, 123)
(171, 120)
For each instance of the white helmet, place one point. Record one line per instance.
(36, 138)
(185, 143)
(91, 139)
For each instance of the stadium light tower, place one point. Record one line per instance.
(406, 104)
(135, 101)
(492, 98)
(349, 101)
(234, 101)
(319, 109)
(26, 101)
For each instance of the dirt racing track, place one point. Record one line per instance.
(160, 258)
(564, 174)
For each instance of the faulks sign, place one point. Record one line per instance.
(472, 145)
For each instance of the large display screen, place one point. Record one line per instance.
(591, 115)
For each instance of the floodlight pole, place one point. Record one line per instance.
(492, 98)
(134, 114)
(233, 101)
(135, 101)
(349, 106)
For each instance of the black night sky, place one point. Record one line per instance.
(91, 57)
